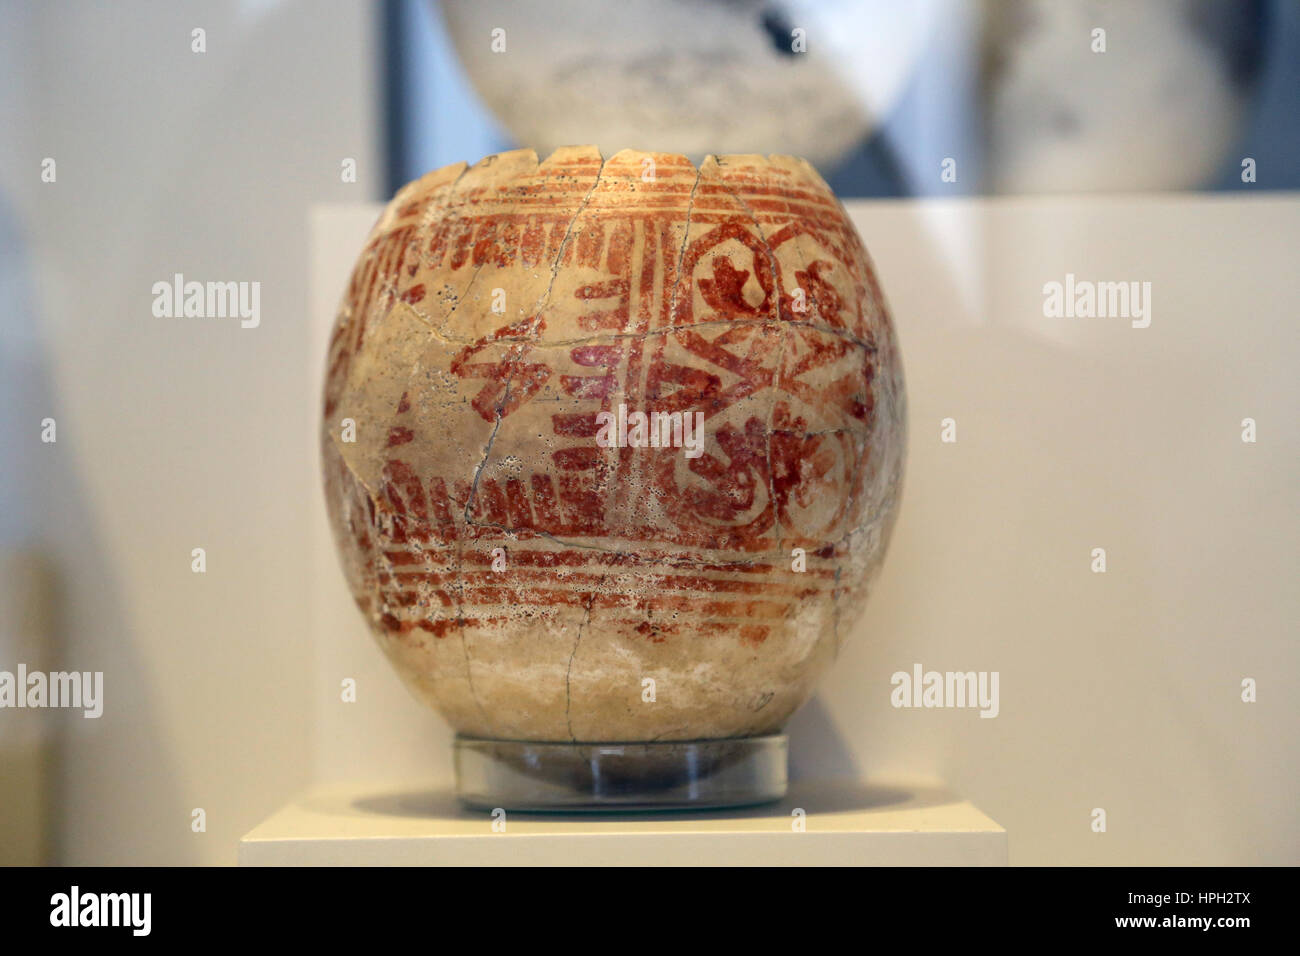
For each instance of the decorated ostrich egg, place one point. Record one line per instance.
(613, 447)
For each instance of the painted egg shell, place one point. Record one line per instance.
(612, 448)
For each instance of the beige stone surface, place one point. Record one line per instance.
(531, 580)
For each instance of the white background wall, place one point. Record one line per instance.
(174, 434)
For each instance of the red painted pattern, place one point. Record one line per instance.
(736, 512)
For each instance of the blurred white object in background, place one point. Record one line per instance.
(807, 78)
(1157, 109)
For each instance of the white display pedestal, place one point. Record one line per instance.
(840, 825)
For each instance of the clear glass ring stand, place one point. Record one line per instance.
(660, 775)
